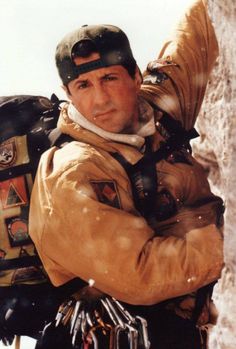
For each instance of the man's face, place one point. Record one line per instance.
(107, 97)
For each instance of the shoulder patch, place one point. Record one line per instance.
(107, 192)
(156, 78)
(7, 153)
(155, 74)
(157, 64)
(26, 274)
(17, 229)
(13, 192)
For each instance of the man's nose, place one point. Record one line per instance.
(100, 95)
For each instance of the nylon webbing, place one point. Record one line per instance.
(22, 262)
(15, 171)
(201, 298)
(143, 179)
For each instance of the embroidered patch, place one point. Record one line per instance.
(17, 229)
(8, 153)
(13, 192)
(107, 192)
(155, 65)
(155, 75)
(157, 79)
(27, 274)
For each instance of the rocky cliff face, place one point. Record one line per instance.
(216, 150)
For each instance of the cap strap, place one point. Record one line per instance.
(92, 65)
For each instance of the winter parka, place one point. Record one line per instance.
(83, 219)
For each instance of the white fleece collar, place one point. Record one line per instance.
(147, 127)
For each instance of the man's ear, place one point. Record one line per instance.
(138, 78)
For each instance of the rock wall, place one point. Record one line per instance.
(216, 150)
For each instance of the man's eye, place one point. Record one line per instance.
(110, 78)
(82, 85)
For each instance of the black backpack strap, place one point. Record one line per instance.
(178, 137)
(71, 287)
(174, 128)
(16, 171)
(23, 262)
(143, 179)
(59, 139)
(143, 174)
(177, 134)
(202, 294)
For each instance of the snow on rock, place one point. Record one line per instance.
(216, 150)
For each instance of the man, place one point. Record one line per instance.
(85, 219)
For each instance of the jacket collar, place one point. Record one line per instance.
(130, 146)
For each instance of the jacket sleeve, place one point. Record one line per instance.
(177, 80)
(76, 235)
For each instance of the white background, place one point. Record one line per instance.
(31, 29)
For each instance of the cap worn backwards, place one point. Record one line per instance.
(111, 43)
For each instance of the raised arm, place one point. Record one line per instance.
(183, 66)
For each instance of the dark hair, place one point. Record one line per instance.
(86, 47)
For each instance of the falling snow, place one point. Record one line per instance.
(219, 131)
(84, 210)
(191, 279)
(124, 243)
(91, 282)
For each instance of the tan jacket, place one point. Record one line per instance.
(83, 220)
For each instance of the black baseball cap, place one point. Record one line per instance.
(110, 41)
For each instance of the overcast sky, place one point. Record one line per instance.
(31, 29)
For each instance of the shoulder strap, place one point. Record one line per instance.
(177, 138)
(143, 179)
(202, 294)
(59, 139)
(143, 174)
(23, 262)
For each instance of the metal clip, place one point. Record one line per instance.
(116, 312)
(77, 327)
(62, 312)
(124, 312)
(143, 331)
(75, 315)
(94, 339)
(133, 337)
(115, 337)
(106, 306)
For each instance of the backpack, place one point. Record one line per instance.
(27, 298)
(24, 135)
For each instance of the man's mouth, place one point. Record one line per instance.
(103, 114)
